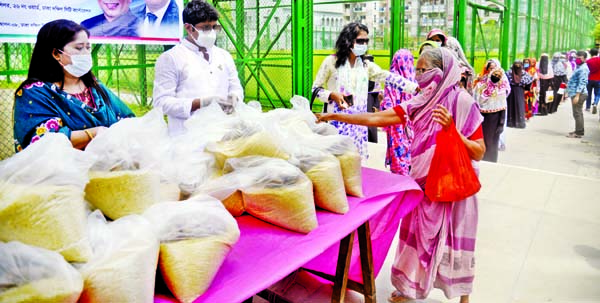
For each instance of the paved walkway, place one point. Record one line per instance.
(539, 222)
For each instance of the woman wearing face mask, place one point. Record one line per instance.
(560, 76)
(433, 233)
(519, 80)
(491, 94)
(490, 65)
(467, 71)
(342, 82)
(61, 94)
(546, 78)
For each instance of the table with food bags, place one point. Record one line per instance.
(265, 253)
(217, 214)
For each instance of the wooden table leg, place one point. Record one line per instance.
(366, 262)
(341, 271)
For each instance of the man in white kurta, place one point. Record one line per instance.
(195, 72)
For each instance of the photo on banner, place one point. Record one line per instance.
(109, 21)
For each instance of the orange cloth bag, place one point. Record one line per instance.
(451, 175)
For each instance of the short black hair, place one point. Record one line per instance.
(594, 52)
(582, 54)
(198, 11)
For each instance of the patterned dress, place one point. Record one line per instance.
(397, 155)
(42, 107)
(354, 80)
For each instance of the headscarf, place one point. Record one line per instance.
(557, 66)
(464, 110)
(403, 64)
(439, 32)
(397, 155)
(544, 64)
(517, 70)
(428, 42)
(532, 70)
(491, 87)
(485, 71)
(466, 68)
(572, 56)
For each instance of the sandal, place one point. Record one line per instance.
(397, 297)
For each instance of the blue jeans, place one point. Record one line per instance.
(592, 86)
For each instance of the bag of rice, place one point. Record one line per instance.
(123, 265)
(41, 190)
(226, 189)
(276, 192)
(36, 275)
(246, 139)
(195, 237)
(326, 175)
(122, 193)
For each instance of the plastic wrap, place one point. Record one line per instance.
(195, 236)
(276, 191)
(123, 265)
(36, 275)
(41, 197)
(326, 175)
(131, 144)
(122, 193)
(246, 139)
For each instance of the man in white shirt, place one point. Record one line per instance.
(195, 72)
(158, 18)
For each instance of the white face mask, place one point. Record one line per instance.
(80, 64)
(360, 49)
(439, 43)
(206, 40)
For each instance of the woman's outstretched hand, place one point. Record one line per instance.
(442, 116)
(323, 117)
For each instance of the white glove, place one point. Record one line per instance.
(206, 101)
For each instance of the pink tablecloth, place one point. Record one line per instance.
(266, 253)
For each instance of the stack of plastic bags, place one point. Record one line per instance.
(125, 178)
(41, 197)
(123, 264)
(196, 236)
(34, 274)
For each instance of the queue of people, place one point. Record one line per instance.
(437, 240)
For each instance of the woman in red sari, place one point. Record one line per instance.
(437, 240)
(531, 92)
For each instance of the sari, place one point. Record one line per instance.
(437, 240)
(531, 97)
(397, 155)
(42, 107)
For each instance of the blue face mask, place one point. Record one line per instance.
(526, 65)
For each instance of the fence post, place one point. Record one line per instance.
(302, 32)
(505, 34)
(141, 52)
(397, 22)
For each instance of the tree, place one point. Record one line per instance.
(596, 32)
(594, 7)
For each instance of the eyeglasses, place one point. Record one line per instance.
(207, 28)
(362, 41)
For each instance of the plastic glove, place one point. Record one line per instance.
(206, 101)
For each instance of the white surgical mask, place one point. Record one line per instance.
(80, 64)
(439, 43)
(206, 40)
(360, 49)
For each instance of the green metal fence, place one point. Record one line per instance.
(279, 44)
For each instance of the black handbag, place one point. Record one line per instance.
(315, 92)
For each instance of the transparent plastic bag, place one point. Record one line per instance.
(126, 178)
(41, 197)
(275, 191)
(325, 172)
(246, 138)
(34, 274)
(123, 265)
(195, 236)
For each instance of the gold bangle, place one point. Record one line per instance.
(89, 134)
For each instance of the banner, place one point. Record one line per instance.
(109, 21)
